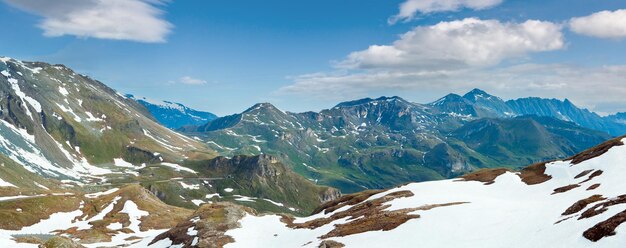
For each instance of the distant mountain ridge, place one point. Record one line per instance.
(61, 131)
(382, 142)
(173, 115)
(479, 104)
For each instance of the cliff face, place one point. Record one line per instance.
(265, 177)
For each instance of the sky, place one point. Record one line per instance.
(225, 56)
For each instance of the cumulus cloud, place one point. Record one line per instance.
(603, 24)
(460, 55)
(410, 8)
(191, 81)
(135, 20)
(460, 43)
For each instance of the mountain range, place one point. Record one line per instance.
(61, 131)
(173, 115)
(576, 202)
(82, 165)
(379, 143)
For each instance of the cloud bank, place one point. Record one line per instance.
(467, 42)
(603, 24)
(134, 20)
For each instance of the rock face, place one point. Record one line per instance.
(60, 242)
(206, 227)
(265, 176)
(379, 143)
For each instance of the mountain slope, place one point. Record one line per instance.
(61, 130)
(379, 143)
(578, 202)
(174, 115)
(526, 139)
(567, 111)
(61, 124)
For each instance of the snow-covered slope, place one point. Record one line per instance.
(174, 115)
(580, 202)
(64, 125)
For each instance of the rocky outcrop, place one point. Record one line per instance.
(207, 226)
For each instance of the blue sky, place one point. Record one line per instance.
(224, 56)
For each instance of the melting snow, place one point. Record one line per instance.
(177, 167)
(134, 213)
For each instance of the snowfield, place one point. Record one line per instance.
(545, 205)
(505, 213)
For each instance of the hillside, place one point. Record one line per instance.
(383, 142)
(173, 115)
(64, 125)
(64, 132)
(578, 202)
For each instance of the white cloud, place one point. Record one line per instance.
(460, 43)
(603, 24)
(135, 20)
(410, 8)
(431, 61)
(191, 81)
(589, 87)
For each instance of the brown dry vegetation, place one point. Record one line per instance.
(602, 207)
(213, 220)
(330, 244)
(565, 188)
(596, 151)
(582, 174)
(486, 176)
(580, 205)
(377, 220)
(534, 174)
(34, 210)
(350, 199)
(365, 216)
(594, 174)
(161, 216)
(595, 186)
(605, 228)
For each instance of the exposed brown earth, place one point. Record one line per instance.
(379, 220)
(34, 210)
(565, 188)
(210, 221)
(573, 186)
(161, 216)
(534, 174)
(330, 244)
(364, 216)
(602, 207)
(60, 242)
(595, 186)
(582, 174)
(350, 199)
(594, 174)
(358, 209)
(596, 151)
(486, 176)
(605, 228)
(28, 240)
(580, 205)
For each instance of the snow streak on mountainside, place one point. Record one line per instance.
(64, 125)
(383, 142)
(580, 202)
(174, 115)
